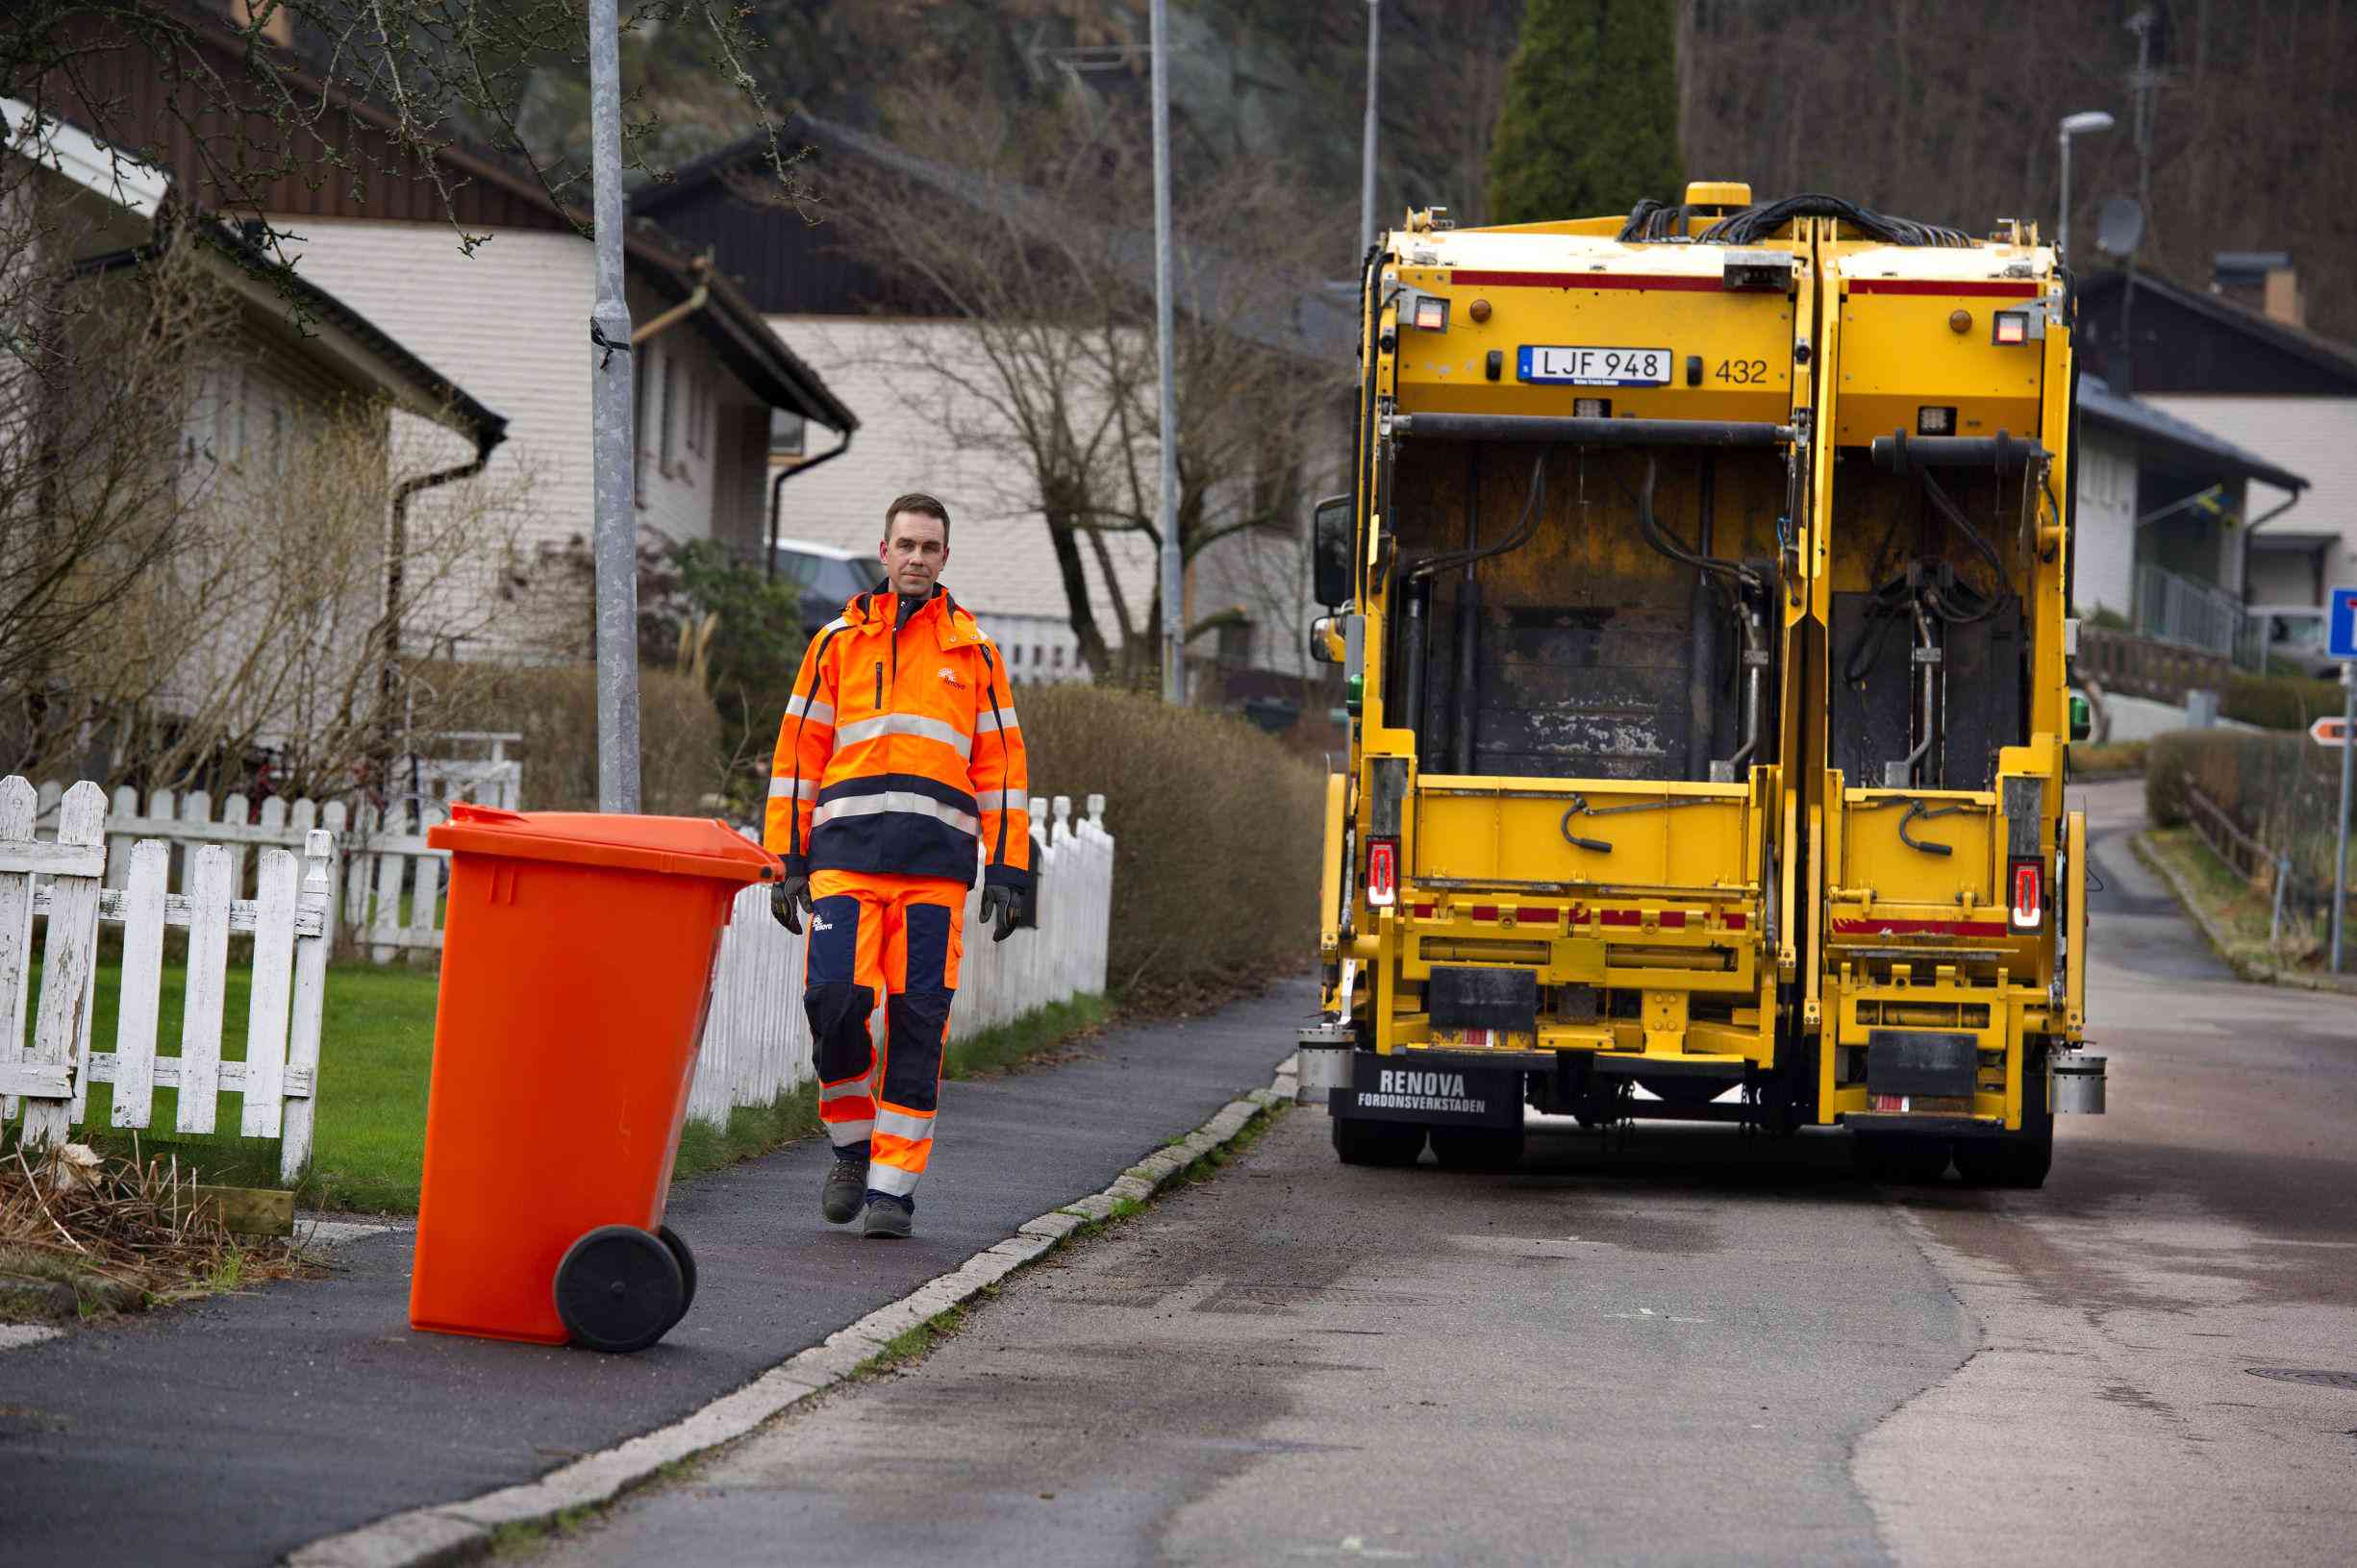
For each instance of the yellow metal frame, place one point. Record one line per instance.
(1869, 331)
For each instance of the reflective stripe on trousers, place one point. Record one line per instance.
(898, 939)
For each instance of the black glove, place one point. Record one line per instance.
(790, 901)
(1004, 905)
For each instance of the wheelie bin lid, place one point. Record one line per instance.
(679, 845)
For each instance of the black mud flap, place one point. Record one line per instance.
(1393, 1088)
(1922, 1062)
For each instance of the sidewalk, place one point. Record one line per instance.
(235, 1430)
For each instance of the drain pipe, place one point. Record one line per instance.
(768, 566)
(396, 550)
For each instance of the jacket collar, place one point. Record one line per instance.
(953, 625)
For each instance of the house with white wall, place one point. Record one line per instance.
(281, 366)
(509, 315)
(2238, 360)
(2163, 518)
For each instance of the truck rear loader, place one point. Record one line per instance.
(1702, 595)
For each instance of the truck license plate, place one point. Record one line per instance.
(1484, 1039)
(1595, 366)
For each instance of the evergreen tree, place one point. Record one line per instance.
(1590, 118)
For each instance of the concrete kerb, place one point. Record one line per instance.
(457, 1533)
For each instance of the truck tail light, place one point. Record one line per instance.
(2029, 895)
(1382, 872)
(2009, 327)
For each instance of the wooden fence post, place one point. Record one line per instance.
(69, 958)
(318, 894)
(17, 811)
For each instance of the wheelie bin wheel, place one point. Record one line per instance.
(687, 1268)
(619, 1289)
(1359, 1141)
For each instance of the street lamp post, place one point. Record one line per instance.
(1173, 560)
(2093, 120)
(1367, 140)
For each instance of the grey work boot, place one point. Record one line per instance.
(888, 1218)
(846, 1183)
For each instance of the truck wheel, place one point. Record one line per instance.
(1477, 1148)
(1901, 1158)
(2016, 1160)
(1360, 1142)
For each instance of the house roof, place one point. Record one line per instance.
(145, 193)
(2145, 423)
(2334, 359)
(756, 355)
(1214, 285)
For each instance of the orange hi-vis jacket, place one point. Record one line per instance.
(899, 752)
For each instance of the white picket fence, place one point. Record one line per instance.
(757, 1041)
(79, 881)
(389, 898)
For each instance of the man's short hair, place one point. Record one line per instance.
(924, 505)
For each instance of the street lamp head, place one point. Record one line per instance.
(2092, 119)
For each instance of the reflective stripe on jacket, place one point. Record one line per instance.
(900, 752)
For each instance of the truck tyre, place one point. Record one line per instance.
(1901, 1158)
(1477, 1148)
(2016, 1160)
(1358, 1141)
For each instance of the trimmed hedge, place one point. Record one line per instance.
(2280, 789)
(1218, 831)
(2279, 702)
(555, 707)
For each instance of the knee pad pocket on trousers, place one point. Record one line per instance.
(838, 1017)
(917, 1023)
(928, 939)
(835, 939)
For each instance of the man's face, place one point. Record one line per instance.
(915, 547)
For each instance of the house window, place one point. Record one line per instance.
(789, 434)
(699, 408)
(1059, 658)
(668, 412)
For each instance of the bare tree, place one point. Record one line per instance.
(1025, 250)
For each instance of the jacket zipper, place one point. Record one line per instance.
(879, 686)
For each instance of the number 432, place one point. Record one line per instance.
(1746, 372)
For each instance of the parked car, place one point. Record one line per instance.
(2295, 640)
(828, 575)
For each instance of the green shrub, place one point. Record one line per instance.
(1218, 831)
(2280, 789)
(2279, 702)
(2089, 760)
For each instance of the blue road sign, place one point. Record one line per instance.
(2341, 624)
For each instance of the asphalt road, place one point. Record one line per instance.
(236, 1430)
(1693, 1348)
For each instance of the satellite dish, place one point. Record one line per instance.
(2119, 228)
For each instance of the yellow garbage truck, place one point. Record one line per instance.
(1627, 572)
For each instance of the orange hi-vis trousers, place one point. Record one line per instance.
(898, 938)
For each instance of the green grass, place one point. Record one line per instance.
(376, 1060)
(376, 1053)
(2240, 913)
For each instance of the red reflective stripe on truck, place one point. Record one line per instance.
(1944, 287)
(1711, 284)
(1736, 921)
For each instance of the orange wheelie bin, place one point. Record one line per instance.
(577, 968)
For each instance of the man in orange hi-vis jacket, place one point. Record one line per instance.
(898, 766)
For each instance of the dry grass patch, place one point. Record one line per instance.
(83, 1235)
